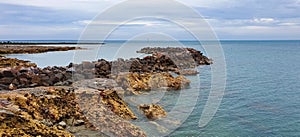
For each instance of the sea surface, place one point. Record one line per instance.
(262, 95)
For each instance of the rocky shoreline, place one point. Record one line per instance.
(29, 49)
(71, 100)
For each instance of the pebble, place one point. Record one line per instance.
(63, 124)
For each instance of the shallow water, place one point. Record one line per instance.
(262, 95)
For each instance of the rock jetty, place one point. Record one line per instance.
(27, 49)
(181, 54)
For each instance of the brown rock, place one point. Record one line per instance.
(152, 111)
(17, 125)
(147, 81)
(111, 99)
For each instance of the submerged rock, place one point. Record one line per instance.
(152, 111)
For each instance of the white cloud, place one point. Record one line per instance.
(247, 16)
(263, 20)
(211, 3)
(83, 5)
(289, 24)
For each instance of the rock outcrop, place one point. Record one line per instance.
(112, 100)
(152, 111)
(136, 82)
(101, 116)
(12, 62)
(60, 111)
(16, 125)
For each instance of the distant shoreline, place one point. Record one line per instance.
(46, 43)
(12, 48)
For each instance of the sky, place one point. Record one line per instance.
(229, 19)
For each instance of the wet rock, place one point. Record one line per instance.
(189, 72)
(135, 82)
(152, 111)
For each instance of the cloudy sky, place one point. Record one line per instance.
(230, 19)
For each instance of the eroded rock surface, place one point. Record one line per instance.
(17, 49)
(59, 111)
(136, 82)
(101, 116)
(152, 111)
(116, 104)
(182, 55)
(12, 62)
(16, 125)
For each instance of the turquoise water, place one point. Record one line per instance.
(262, 96)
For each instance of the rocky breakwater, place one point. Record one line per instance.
(176, 60)
(60, 111)
(13, 62)
(187, 56)
(18, 49)
(23, 77)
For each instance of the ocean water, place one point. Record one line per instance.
(262, 95)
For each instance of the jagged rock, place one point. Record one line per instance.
(188, 72)
(40, 111)
(111, 99)
(135, 82)
(17, 125)
(182, 55)
(12, 62)
(102, 117)
(152, 111)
